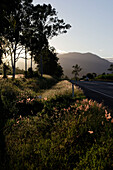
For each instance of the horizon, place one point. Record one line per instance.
(22, 60)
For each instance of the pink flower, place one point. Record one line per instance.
(28, 99)
(87, 107)
(68, 108)
(90, 131)
(100, 105)
(108, 116)
(106, 111)
(45, 98)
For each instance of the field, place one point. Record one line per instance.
(43, 127)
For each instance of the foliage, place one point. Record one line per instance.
(54, 131)
(49, 62)
(28, 28)
(75, 137)
(105, 77)
(76, 70)
(19, 96)
(8, 96)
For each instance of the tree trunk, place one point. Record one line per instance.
(25, 62)
(41, 66)
(31, 62)
(14, 62)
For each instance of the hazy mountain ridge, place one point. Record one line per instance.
(110, 59)
(89, 63)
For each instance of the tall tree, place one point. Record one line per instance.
(16, 19)
(29, 27)
(13, 29)
(76, 70)
(47, 25)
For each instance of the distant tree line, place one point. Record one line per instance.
(25, 27)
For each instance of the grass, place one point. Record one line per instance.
(55, 131)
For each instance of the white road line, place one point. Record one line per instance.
(101, 93)
(110, 83)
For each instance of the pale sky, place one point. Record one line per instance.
(92, 26)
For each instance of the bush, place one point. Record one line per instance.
(75, 137)
(105, 77)
(29, 106)
(8, 97)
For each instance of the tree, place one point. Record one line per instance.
(76, 70)
(13, 32)
(111, 68)
(5, 8)
(50, 62)
(47, 25)
(28, 27)
(13, 29)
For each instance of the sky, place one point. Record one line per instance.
(92, 26)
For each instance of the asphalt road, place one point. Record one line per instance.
(99, 91)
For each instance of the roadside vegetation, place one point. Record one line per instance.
(105, 77)
(43, 127)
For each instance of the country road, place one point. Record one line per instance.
(99, 91)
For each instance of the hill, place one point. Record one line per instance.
(90, 63)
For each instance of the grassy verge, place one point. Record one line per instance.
(65, 133)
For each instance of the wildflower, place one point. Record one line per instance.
(87, 107)
(69, 108)
(109, 116)
(75, 105)
(90, 131)
(22, 101)
(100, 105)
(90, 102)
(28, 100)
(32, 99)
(45, 98)
(112, 120)
(80, 107)
(106, 111)
(105, 115)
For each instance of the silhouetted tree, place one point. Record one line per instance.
(50, 62)
(28, 27)
(47, 25)
(76, 70)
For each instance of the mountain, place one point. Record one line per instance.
(110, 60)
(90, 63)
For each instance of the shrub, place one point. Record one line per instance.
(75, 137)
(8, 97)
(28, 106)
